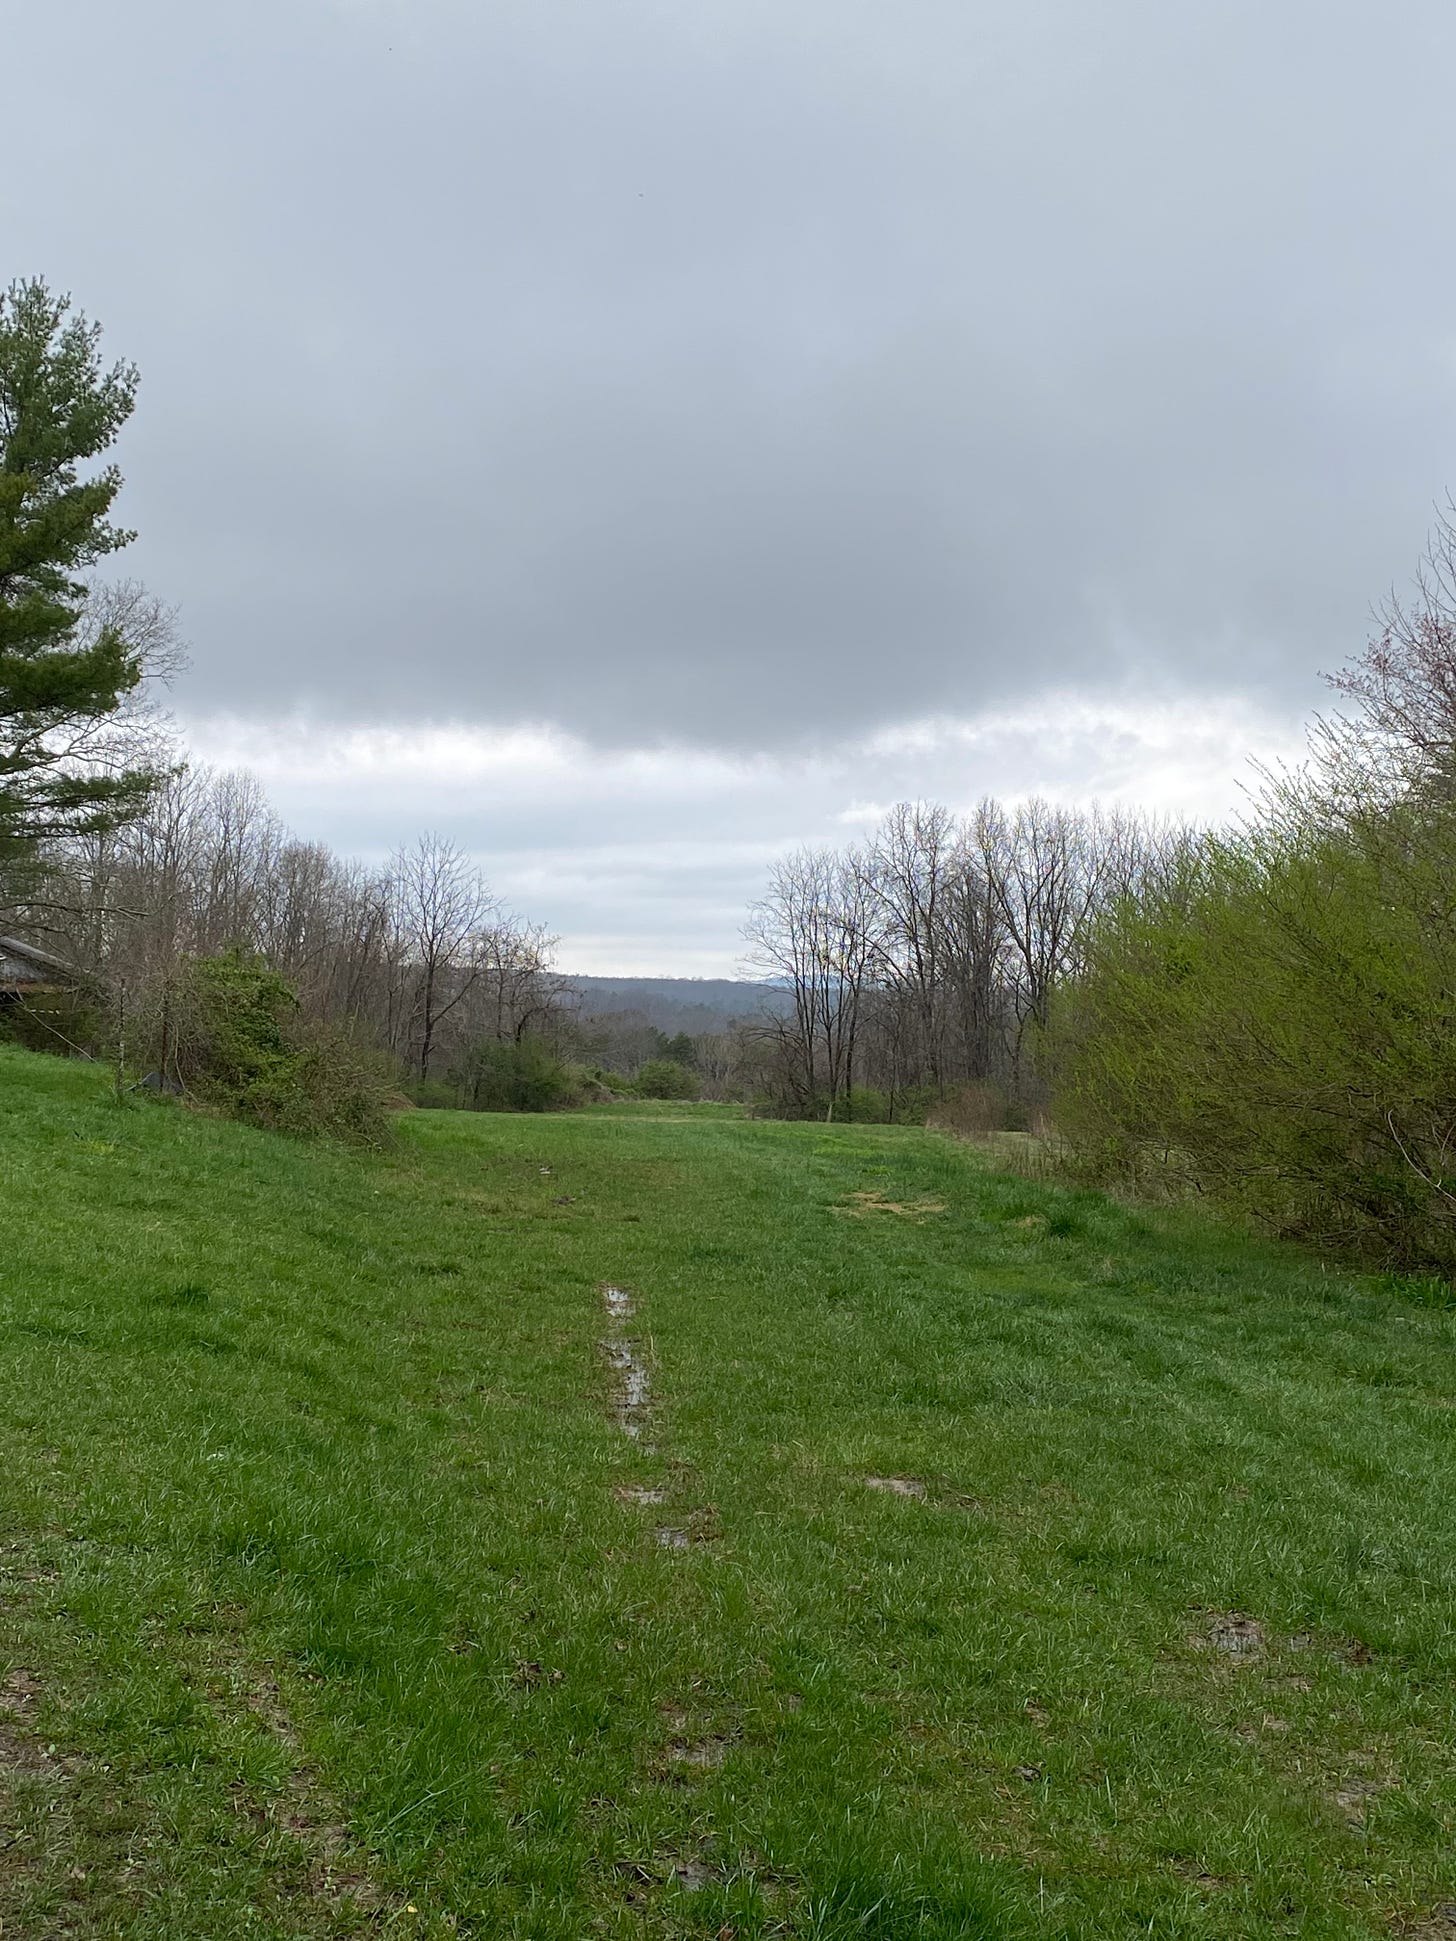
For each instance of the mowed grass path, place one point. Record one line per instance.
(323, 1614)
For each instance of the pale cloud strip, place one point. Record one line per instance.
(644, 860)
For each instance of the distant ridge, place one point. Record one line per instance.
(673, 1004)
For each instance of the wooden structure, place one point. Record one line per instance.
(27, 972)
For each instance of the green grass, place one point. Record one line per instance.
(321, 1616)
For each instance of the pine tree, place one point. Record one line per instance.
(59, 682)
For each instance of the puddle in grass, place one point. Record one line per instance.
(634, 1385)
(631, 1404)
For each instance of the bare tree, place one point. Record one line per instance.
(972, 960)
(442, 906)
(814, 933)
(909, 868)
(928, 958)
(1403, 686)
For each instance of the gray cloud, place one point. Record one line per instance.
(738, 372)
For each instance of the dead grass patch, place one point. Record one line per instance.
(1437, 1925)
(860, 1205)
(897, 1486)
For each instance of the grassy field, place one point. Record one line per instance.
(907, 1550)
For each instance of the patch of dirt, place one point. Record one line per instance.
(18, 1692)
(19, 1755)
(1199, 1877)
(331, 1875)
(22, 1752)
(644, 1497)
(1259, 1728)
(1354, 1798)
(686, 1871)
(1236, 1633)
(701, 1753)
(306, 1811)
(1438, 1925)
(1369, 1776)
(265, 1702)
(694, 1875)
(1353, 1650)
(860, 1204)
(529, 1676)
(618, 1302)
(897, 1485)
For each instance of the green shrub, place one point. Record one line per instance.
(865, 1105)
(1277, 1030)
(912, 1105)
(435, 1094)
(511, 1076)
(231, 1034)
(665, 1078)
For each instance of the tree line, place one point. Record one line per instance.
(923, 963)
(415, 957)
(1261, 1015)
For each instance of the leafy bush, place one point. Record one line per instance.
(229, 1031)
(865, 1105)
(665, 1078)
(515, 1076)
(435, 1094)
(1277, 1030)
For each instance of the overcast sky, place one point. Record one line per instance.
(634, 436)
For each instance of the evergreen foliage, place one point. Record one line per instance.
(59, 409)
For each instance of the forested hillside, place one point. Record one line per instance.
(677, 1004)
